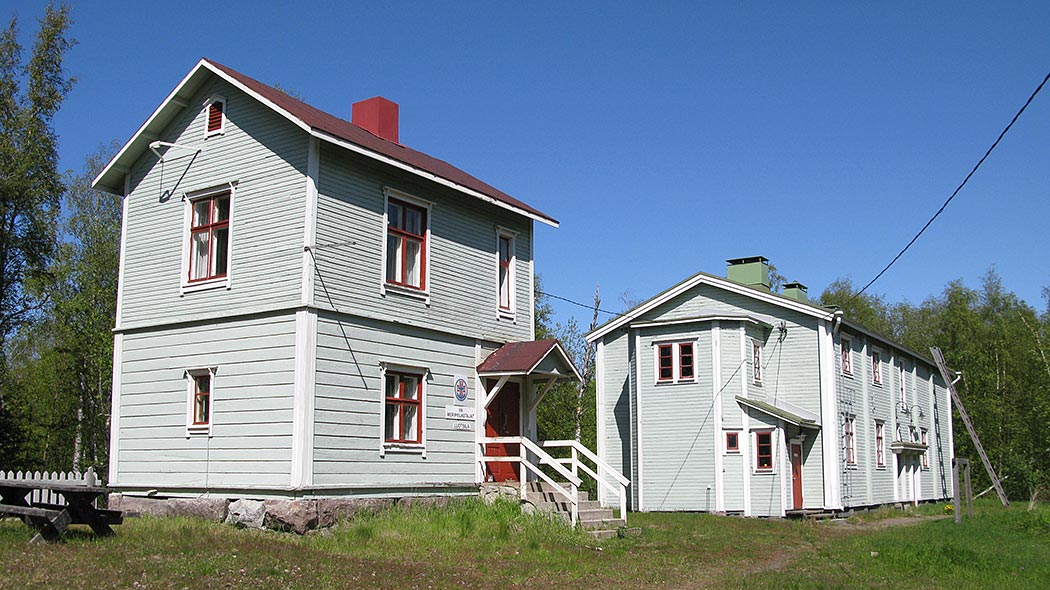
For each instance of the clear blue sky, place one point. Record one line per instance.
(665, 136)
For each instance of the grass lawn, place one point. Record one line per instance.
(469, 545)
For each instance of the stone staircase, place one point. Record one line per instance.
(598, 521)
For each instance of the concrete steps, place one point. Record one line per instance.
(599, 521)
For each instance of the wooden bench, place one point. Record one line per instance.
(51, 520)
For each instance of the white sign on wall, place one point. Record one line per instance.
(459, 389)
(460, 413)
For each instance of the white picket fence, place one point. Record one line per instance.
(87, 478)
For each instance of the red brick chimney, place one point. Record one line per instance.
(377, 115)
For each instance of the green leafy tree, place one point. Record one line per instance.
(30, 185)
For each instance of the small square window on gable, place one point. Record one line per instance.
(215, 116)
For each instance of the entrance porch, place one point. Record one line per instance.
(515, 379)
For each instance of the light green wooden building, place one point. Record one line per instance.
(718, 395)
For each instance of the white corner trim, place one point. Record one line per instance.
(599, 415)
(716, 386)
(114, 412)
(830, 447)
(123, 251)
(303, 398)
(745, 424)
(313, 166)
(638, 418)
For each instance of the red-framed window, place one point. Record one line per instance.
(403, 411)
(665, 362)
(764, 451)
(506, 258)
(406, 245)
(876, 367)
(201, 400)
(849, 440)
(215, 116)
(209, 237)
(847, 356)
(756, 360)
(925, 439)
(732, 442)
(686, 369)
(880, 444)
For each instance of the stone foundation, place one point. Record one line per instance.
(295, 515)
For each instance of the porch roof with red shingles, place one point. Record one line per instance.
(521, 358)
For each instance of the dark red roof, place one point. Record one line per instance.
(322, 121)
(517, 357)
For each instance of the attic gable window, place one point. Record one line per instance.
(505, 254)
(216, 116)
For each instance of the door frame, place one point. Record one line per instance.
(509, 449)
(796, 475)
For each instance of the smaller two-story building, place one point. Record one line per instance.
(307, 307)
(718, 395)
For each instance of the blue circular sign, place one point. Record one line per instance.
(461, 390)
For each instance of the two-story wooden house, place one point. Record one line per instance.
(718, 395)
(308, 308)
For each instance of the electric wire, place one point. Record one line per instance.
(957, 189)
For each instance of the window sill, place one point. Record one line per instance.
(852, 467)
(737, 453)
(763, 472)
(407, 292)
(204, 430)
(506, 315)
(880, 468)
(415, 449)
(222, 282)
(678, 382)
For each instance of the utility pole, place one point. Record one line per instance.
(943, 368)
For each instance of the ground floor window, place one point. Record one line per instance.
(925, 440)
(880, 444)
(849, 440)
(199, 406)
(764, 451)
(403, 407)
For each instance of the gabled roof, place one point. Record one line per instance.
(314, 121)
(523, 358)
(702, 278)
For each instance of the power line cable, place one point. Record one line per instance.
(583, 305)
(957, 189)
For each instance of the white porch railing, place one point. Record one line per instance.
(575, 466)
(526, 446)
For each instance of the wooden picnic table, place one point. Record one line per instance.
(51, 520)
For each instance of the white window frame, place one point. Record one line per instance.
(924, 438)
(190, 376)
(424, 376)
(215, 98)
(849, 440)
(756, 359)
(773, 441)
(428, 245)
(185, 285)
(739, 441)
(880, 445)
(676, 359)
(846, 355)
(902, 389)
(875, 361)
(512, 237)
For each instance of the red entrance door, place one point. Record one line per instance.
(503, 418)
(796, 474)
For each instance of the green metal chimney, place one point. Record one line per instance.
(752, 271)
(796, 291)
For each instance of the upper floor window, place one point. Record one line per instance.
(216, 116)
(675, 362)
(403, 409)
(849, 440)
(209, 237)
(880, 444)
(847, 356)
(764, 451)
(505, 252)
(406, 244)
(876, 366)
(756, 360)
(732, 442)
(902, 390)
